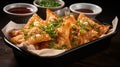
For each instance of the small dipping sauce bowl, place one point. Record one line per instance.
(91, 10)
(20, 12)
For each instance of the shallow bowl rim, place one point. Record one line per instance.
(26, 14)
(90, 4)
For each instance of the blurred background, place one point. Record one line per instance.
(110, 8)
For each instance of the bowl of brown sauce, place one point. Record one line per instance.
(89, 9)
(20, 12)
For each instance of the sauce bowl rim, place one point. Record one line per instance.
(13, 5)
(99, 9)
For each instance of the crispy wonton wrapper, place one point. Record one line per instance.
(45, 52)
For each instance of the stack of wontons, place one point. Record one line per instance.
(58, 32)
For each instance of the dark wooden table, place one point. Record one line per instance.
(110, 57)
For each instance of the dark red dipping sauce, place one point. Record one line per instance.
(85, 10)
(20, 10)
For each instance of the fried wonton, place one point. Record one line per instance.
(58, 32)
(34, 20)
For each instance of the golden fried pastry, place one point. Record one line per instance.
(58, 32)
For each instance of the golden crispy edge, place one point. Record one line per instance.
(104, 29)
(35, 17)
(86, 17)
(50, 14)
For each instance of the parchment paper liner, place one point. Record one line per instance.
(46, 52)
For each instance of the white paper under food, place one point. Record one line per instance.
(45, 52)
